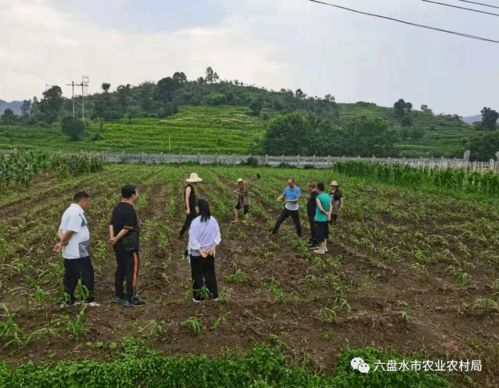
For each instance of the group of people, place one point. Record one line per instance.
(322, 210)
(124, 236)
(204, 236)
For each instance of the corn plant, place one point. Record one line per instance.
(194, 324)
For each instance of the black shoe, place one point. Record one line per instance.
(138, 302)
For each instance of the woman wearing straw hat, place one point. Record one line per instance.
(337, 201)
(190, 202)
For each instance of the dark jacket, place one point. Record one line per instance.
(312, 204)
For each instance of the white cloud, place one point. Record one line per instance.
(278, 43)
(42, 45)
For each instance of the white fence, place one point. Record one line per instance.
(295, 161)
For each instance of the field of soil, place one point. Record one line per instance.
(407, 269)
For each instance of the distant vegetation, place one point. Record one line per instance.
(17, 168)
(214, 115)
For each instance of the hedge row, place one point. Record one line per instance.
(263, 367)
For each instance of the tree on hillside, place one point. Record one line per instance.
(124, 92)
(105, 87)
(73, 128)
(165, 89)
(215, 98)
(288, 135)
(426, 109)
(51, 103)
(489, 119)
(402, 108)
(370, 136)
(103, 107)
(180, 77)
(8, 117)
(146, 95)
(211, 76)
(35, 106)
(484, 146)
(26, 107)
(256, 106)
(299, 94)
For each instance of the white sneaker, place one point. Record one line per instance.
(92, 304)
(65, 305)
(195, 300)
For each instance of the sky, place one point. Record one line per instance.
(271, 43)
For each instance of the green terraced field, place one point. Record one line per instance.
(444, 135)
(222, 130)
(227, 130)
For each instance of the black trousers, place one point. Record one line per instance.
(187, 223)
(203, 274)
(74, 270)
(127, 270)
(285, 214)
(313, 231)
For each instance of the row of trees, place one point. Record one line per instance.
(302, 134)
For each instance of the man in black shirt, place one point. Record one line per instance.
(124, 236)
(311, 208)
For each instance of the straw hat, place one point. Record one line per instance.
(240, 180)
(334, 183)
(194, 178)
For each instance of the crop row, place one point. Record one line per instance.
(19, 167)
(454, 179)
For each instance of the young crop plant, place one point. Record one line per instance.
(404, 312)
(275, 288)
(481, 306)
(462, 278)
(194, 324)
(76, 327)
(10, 332)
(328, 315)
(327, 336)
(239, 276)
(221, 321)
(153, 329)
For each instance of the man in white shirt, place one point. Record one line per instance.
(74, 241)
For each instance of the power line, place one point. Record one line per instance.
(464, 35)
(459, 7)
(477, 3)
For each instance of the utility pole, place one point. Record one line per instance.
(84, 84)
(72, 84)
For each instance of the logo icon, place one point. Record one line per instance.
(358, 363)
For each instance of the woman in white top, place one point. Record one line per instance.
(204, 237)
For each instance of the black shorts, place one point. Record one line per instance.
(322, 230)
(245, 208)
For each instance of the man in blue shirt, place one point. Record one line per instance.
(290, 196)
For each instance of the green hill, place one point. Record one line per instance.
(216, 116)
